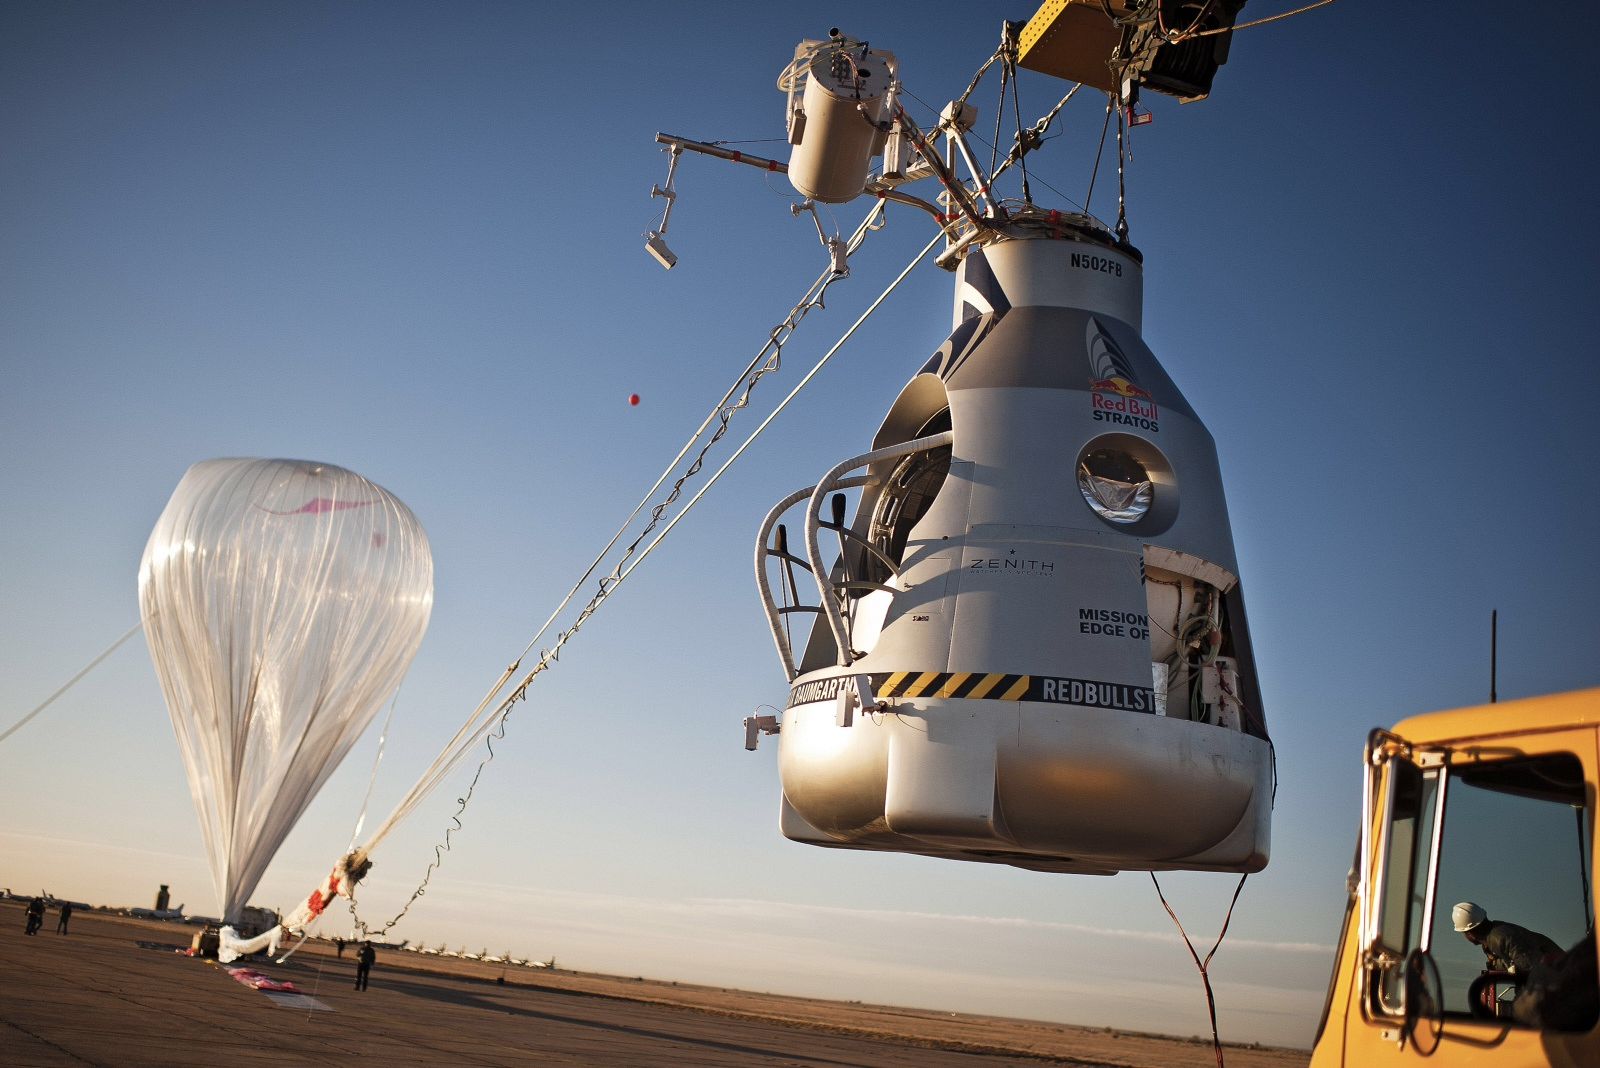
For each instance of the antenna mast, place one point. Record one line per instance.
(1494, 638)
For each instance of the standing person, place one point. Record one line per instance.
(35, 915)
(364, 961)
(338, 944)
(66, 915)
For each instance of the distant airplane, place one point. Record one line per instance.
(157, 914)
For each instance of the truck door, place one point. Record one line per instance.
(1476, 909)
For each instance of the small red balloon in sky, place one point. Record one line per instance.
(633, 399)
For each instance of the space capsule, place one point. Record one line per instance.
(1028, 644)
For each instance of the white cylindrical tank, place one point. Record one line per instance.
(838, 130)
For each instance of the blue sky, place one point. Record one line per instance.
(405, 238)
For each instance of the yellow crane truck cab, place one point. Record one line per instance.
(1469, 934)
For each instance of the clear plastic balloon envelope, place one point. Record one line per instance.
(283, 601)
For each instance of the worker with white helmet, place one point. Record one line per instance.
(1554, 989)
(1508, 947)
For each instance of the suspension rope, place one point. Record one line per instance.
(812, 298)
(1034, 136)
(1205, 976)
(1016, 109)
(483, 718)
(792, 393)
(999, 119)
(372, 779)
(48, 701)
(440, 848)
(1095, 172)
(1027, 142)
(493, 729)
(1031, 139)
(1122, 189)
(1262, 22)
(976, 78)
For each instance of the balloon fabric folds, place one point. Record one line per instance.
(283, 601)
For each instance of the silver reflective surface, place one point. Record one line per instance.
(1116, 485)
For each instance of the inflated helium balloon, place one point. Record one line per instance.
(283, 601)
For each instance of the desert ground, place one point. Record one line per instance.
(116, 992)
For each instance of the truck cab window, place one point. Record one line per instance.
(1513, 894)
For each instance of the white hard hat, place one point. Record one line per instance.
(1467, 915)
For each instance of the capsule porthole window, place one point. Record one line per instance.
(1128, 483)
(1116, 485)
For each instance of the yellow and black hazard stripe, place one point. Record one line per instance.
(986, 686)
(973, 685)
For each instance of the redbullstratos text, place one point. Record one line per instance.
(1112, 695)
(1126, 411)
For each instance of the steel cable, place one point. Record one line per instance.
(478, 723)
(70, 683)
(494, 726)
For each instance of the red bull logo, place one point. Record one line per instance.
(1122, 387)
(1114, 395)
(1119, 401)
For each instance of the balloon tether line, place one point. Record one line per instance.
(46, 703)
(611, 581)
(479, 723)
(440, 848)
(383, 736)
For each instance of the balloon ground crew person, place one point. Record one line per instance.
(364, 961)
(35, 916)
(1508, 947)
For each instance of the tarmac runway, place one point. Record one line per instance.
(97, 996)
(115, 993)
